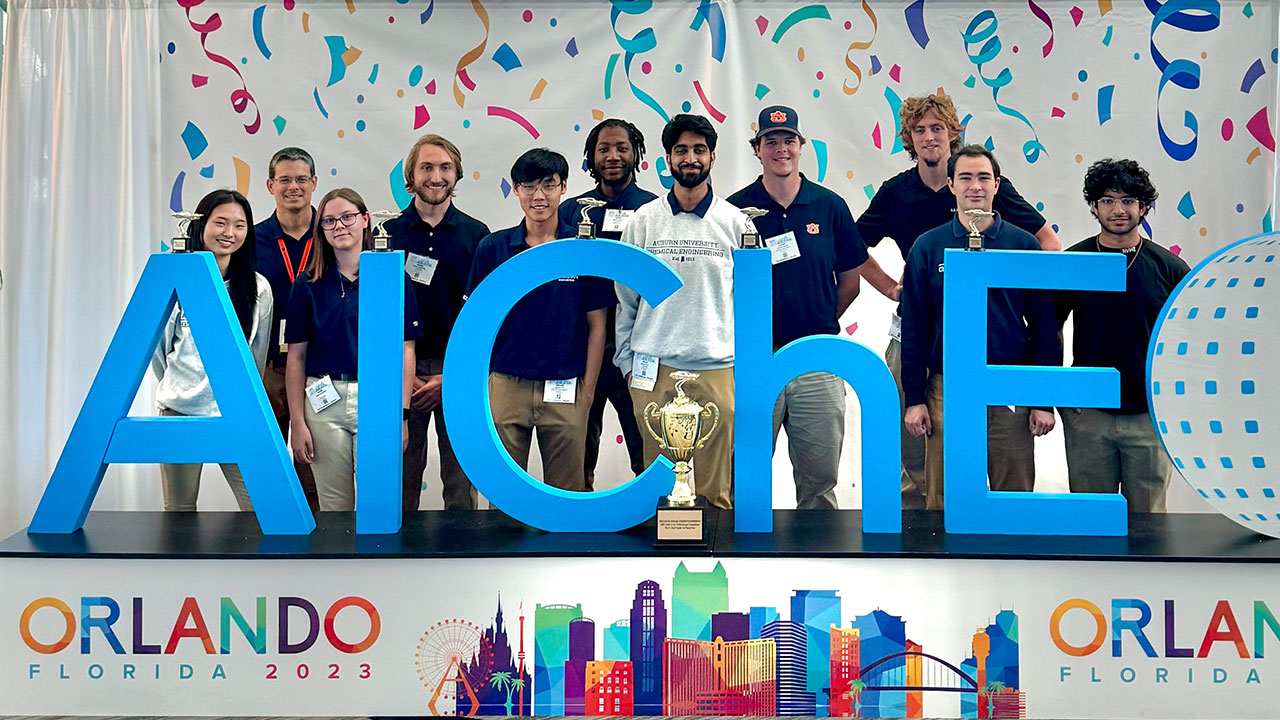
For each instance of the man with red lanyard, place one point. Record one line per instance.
(284, 249)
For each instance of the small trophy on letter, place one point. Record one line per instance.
(381, 238)
(182, 237)
(686, 427)
(586, 228)
(751, 238)
(975, 235)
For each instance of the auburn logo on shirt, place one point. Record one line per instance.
(812, 228)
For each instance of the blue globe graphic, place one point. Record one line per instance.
(1213, 379)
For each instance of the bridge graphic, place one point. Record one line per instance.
(890, 673)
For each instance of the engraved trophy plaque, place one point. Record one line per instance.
(685, 427)
(182, 236)
(586, 228)
(751, 238)
(975, 235)
(382, 238)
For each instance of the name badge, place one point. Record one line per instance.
(420, 268)
(783, 247)
(644, 372)
(321, 394)
(895, 327)
(284, 346)
(560, 391)
(616, 220)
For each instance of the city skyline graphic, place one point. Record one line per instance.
(690, 652)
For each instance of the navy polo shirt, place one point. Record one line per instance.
(804, 288)
(452, 244)
(631, 198)
(326, 314)
(271, 265)
(700, 209)
(1021, 325)
(905, 208)
(545, 335)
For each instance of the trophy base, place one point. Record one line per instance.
(682, 526)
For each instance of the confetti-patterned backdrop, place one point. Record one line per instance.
(1187, 88)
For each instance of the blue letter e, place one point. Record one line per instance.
(245, 433)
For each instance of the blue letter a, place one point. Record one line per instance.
(245, 433)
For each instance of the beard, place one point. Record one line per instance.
(434, 196)
(691, 179)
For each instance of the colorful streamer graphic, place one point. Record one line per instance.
(861, 45)
(470, 56)
(240, 98)
(982, 29)
(1197, 16)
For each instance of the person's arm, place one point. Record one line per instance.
(261, 339)
(882, 281)
(628, 307)
(295, 381)
(160, 358)
(846, 289)
(595, 349)
(1047, 238)
(917, 326)
(408, 369)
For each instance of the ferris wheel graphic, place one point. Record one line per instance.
(454, 659)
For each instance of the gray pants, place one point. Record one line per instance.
(181, 482)
(1109, 453)
(811, 407)
(913, 480)
(333, 435)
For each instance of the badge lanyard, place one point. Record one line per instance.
(288, 266)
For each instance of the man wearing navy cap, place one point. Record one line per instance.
(613, 151)
(816, 254)
(284, 248)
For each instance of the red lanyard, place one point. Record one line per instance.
(306, 253)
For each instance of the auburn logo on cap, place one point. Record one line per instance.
(778, 116)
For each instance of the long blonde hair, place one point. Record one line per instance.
(326, 257)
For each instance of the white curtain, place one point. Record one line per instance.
(79, 173)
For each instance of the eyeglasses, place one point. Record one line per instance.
(348, 219)
(287, 181)
(546, 186)
(1110, 202)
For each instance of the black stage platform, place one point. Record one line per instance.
(797, 533)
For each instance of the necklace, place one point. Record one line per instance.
(1133, 255)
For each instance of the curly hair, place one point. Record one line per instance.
(1123, 176)
(914, 108)
(634, 136)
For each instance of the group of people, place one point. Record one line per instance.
(571, 347)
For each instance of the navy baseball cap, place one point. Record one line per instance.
(778, 117)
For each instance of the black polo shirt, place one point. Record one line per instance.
(905, 208)
(326, 315)
(700, 209)
(1021, 327)
(545, 335)
(804, 288)
(1113, 329)
(453, 245)
(271, 264)
(631, 198)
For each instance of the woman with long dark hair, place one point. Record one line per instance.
(322, 328)
(225, 229)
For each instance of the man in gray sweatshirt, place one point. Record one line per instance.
(696, 232)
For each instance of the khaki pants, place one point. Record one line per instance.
(333, 434)
(518, 408)
(811, 407)
(1011, 462)
(181, 482)
(913, 480)
(713, 464)
(273, 383)
(1109, 453)
(458, 493)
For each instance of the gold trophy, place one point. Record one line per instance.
(975, 235)
(684, 430)
(182, 237)
(751, 238)
(586, 228)
(381, 238)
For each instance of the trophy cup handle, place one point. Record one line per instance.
(713, 411)
(651, 411)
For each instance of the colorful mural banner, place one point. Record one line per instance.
(643, 636)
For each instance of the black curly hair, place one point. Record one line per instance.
(1123, 176)
(633, 135)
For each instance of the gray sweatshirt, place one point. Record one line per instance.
(692, 329)
(184, 387)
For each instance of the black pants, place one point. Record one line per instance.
(612, 388)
